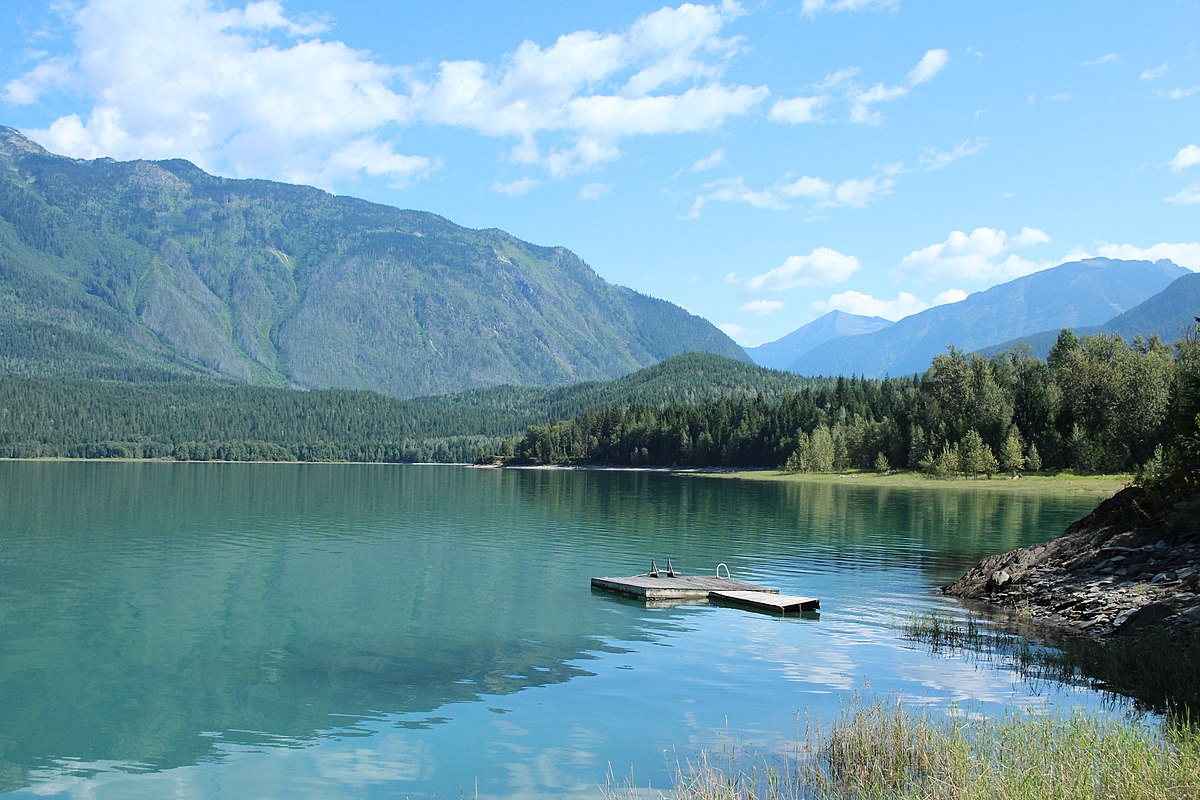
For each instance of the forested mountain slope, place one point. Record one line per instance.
(1077, 293)
(198, 418)
(146, 270)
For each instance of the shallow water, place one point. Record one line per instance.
(206, 630)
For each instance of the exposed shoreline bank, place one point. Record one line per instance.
(1115, 571)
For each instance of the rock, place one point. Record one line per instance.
(999, 580)
(1149, 614)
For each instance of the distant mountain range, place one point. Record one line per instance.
(1169, 315)
(784, 353)
(147, 270)
(1077, 294)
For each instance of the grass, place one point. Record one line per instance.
(885, 751)
(1043, 484)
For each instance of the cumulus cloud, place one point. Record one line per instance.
(984, 255)
(1187, 157)
(905, 304)
(241, 91)
(820, 267)
(763, 308)
(598, 88)
(245, 88)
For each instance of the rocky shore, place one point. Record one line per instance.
(1118, 570)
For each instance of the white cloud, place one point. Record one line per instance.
(596, 89)
(1154, 73)
(733, 330)
(853, 193)
(711, 160)
(241, 91)
(859, 192)
(862, 101)
(515, 188)
(1187, 157)
(1107, 58)
(853, 302)
(1180, 93)
(797, 110)
(1187, 196)
(763, 308)
(594, 191)
(367, 155)
(820, 267)
(981, 256)
(934, 159)
(1185, 254)
(930, 64)
(244, 88)
(54, 72)
(813, 7)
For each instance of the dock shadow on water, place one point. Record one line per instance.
(378, 631)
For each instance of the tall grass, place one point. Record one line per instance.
(885, 751)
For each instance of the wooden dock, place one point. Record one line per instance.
(705, 588)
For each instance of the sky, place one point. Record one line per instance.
(759, 163)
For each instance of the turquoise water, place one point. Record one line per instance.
(221, 630)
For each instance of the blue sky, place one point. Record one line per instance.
(758, 163)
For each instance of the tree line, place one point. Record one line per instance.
(1097, 404)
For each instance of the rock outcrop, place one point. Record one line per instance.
(1115, 571)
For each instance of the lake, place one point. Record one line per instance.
(327, 631)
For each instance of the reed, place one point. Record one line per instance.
(883, 750)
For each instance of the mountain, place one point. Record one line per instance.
(1073, 294)
(782, 353)
(1168, 315)
(148, 270)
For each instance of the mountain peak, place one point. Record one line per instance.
(13, 142)
(783, 352)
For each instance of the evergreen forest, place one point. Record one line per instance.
(1096, 404)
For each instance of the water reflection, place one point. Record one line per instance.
(369, 625)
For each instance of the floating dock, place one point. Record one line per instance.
(664, 586)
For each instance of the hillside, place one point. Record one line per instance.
(153, 270)
(783, 352)
(194, 418)
(1077, 293)
(1168, 315)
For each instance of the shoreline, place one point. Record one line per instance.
(1112, 572)
(1062, 482)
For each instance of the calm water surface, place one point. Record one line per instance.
(202, 630)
